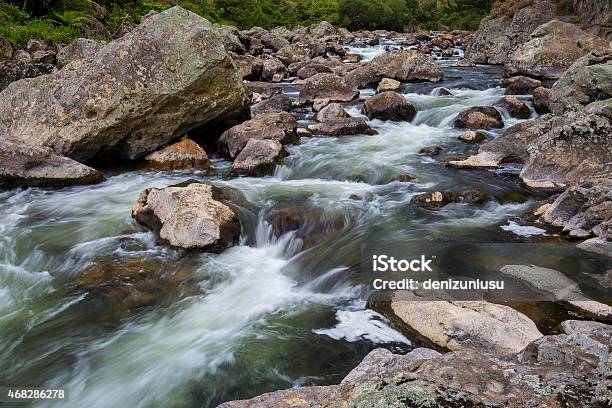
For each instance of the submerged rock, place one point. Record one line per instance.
(389, 106)
(166, 77)
(479, 117)
(33, 166)
(185, 154)
(439, 199)
(258, 157)
(188, 216)
(279, 126)
(431, 150)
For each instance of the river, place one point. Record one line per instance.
(270, 313)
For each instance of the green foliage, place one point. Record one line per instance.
(58, 20)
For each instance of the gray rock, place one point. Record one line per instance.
(341, 127)
(168, 76)
(277, 103)
(188, 216)
(400, 65)
(553, 47)
(13, 70)
(595, 17)
(258, 157)
(472, 136)
(6, 50)
(43, 57)
(328, 86)
(497, 37)
(32, 166)
(437, 199)
(279, 126)
(273, 70)
(331, 112)
(389, 106)
(388, 84)
(79, 49)
(588, 80)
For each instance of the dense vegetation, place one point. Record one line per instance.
(61, 20)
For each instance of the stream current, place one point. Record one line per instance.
(272, 312)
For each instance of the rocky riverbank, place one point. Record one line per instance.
(177, 93)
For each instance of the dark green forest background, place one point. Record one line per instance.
(62, 20)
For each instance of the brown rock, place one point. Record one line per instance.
(258, 157)
(472, 136)
(341, 127)
(328, 86)
(514, 107)
(479, 117)
(541, 97)
(185, 154)
(389, 106)
(520, 85)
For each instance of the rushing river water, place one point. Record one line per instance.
(270, 313)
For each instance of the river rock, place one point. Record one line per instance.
(431, 150)
(519, 85)
(438, 199)
(588, 80)
(331, 112)
(168, 76)
(467, 325)
(13, 70)
(313, 69)
(388, 84)
(188, 216)
(33, 166)
(279, 126)
(273, 70)
(258, 157)
(511, 147)
(472, 136)
(341, 127)
(569, 152)
(277, 103)
(514, 107)
(584, 209)
(328, 86)
(497, 37)
(541, 100)
(553, 47)
(400, 65)
(479, 117)
(539, 376)
(389, 106)
(264, 89)
(79, 49)
(185, 154)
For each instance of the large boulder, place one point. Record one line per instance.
(328, 86)
(185, 154)
(258, 157)
(567, 153)
(389, 106)
(553, 47)
(497, 37)
(14, 70)
(279, 126)
(584, 209)
(188, 216)
(479, 117)
(166, 77)
(595, 17)
(588, 80)
(400, 65)
(33, 166)
(79, 49)
(510, 147)
(573, 364)
(466, 325)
